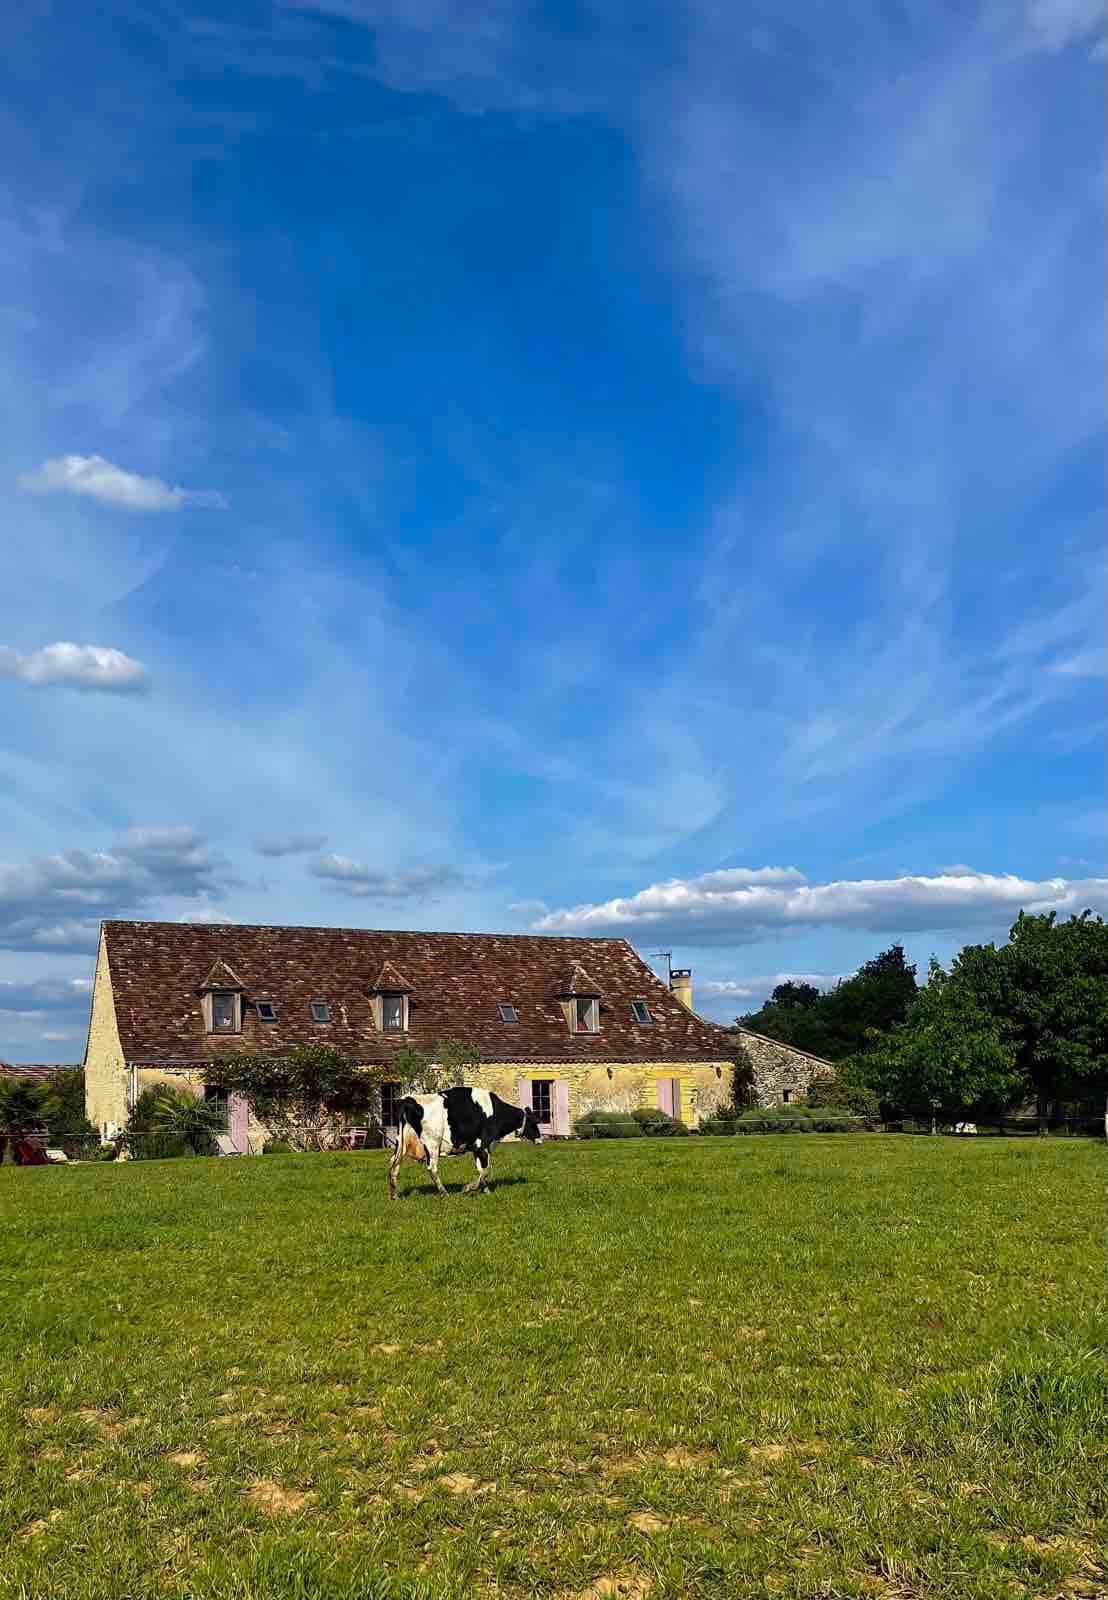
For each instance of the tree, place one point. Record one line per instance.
(842, 1021)
(1029, 1018)
(952, 1051)
(63, 1105)
(793, 996)
(1053, 988)
(21, 1104)
(742, 1079)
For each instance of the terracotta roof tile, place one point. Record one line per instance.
(389, 981)
(456, 980)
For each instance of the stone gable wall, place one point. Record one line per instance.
(778, 1067)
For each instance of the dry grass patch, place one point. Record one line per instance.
(275, 1500)
(185, 1458)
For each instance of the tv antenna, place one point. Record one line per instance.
(667, 957)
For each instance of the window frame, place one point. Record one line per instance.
(645, 1020)
(786, 1097)
(391, 1096)
(506, 1005)
(222, 1099)
(401, 1000)
(326, 1008)
(592, 1014)
(266, 1010)
(538, 1085)
(234, 1022)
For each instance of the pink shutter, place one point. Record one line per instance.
(561, 1106)
(525, 1093)
(239, 1116)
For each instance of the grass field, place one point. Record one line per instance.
(736, 1367)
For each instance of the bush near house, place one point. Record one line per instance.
(169, 1122)
(658, 1124)
(607, 1125)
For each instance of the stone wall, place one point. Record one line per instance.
(106, 1077)
(779, 1067)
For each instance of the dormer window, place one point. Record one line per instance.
(641, 1011)
(267, 1011)
(393, 1009)
(225, 1011)
(221, 999)
(321, 1011)
(586, 1015)
(508, 1012)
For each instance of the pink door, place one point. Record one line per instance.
(669, 1096)
(238, 1116)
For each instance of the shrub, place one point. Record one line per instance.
(658, 1123)
(719, 1125)
(277, 1147)
(607, 1125)
(157, 1146)
(174, 1114)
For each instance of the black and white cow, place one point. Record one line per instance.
(459, 1122)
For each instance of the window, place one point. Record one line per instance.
(786, 1096)
(220, 1099)
(541, 1091)
(267, 1011)
(508, 1012)
(225, 1011)
(392, 1013)
(390, 1105)
(641, 1011)
(321, 1011)
(586, 1016)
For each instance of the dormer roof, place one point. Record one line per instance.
(220, 976)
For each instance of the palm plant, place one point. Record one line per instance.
(182, 1115)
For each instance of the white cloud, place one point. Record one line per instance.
(363, 882)
(290, 844)
(1057, 24)
(702, 911)
(55, 903)
(114, 486)
(45, 994)
(755, 988)
(80, 666)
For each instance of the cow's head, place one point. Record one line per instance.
(530, 1129)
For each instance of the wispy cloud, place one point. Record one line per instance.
(710, 911)
(97, 479)
(363, 882)
(55, 903)
(290, 844)
(78, 666)
(45, 994)
(1057, 24)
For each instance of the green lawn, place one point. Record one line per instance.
(712, 1367)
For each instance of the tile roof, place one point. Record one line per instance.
(456, 980)
(36, 1069)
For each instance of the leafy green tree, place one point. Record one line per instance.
(22, 1102)
(840, 1022)
(952, 1052)
(166, 1121)
(1053, 989)
(742, 1079)
(64, 1105)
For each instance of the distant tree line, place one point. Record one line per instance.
(1002, 1026)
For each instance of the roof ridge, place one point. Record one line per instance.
(410, 933)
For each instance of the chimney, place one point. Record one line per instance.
(680, 983)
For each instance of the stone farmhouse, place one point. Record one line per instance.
(563, 1025)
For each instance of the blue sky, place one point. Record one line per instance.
(496, 466)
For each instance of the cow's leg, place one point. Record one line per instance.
(478, 1185)
(394, 1164)
(433, 1164)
